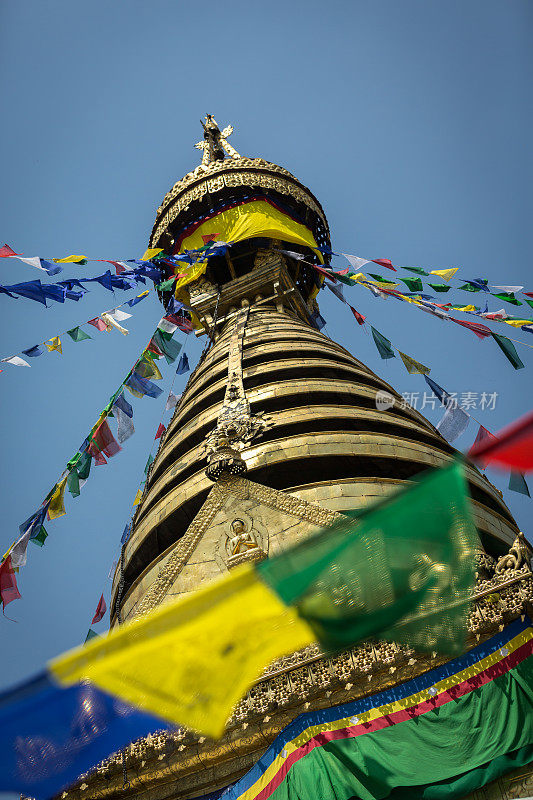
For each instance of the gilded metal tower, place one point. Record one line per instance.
(276, 434)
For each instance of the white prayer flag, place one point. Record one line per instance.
(118, 315)
(35, 261)
(110, 322)
(125, 425)
(511, 289)
(18, 551)
(355, 261)
(16, 361)
(166, 325)
(172, 401)
(454, 422)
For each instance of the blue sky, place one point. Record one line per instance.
(409, 120)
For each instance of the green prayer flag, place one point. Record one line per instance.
(383, 344)
(168, 346)
(74, 460)
(418, 270)
(84, 466)
(166, 286)
(413, 284)
(91, 635)
(440, 287)
(508, 349)
(401, 570)
(517, 483)
(528, 301)
(346, 279)
(380, 278)
(508, 297)
(469, 287)
(40, 538)
(77, 335)
(150, 461)
(412, 366)
(73, 483)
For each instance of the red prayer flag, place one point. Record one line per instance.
(384, 262)
(359, 317)
(482, 435)
(209, 237)
(101, 608)
(103, 441)
(511, 447)
(118, 266)
(183, 324)
(480, 330)
(98, 323)
(8, 583)
(326, 273)
(6, 251)
(160, 431)
(528, 294)
(153, 348)
(342, 271)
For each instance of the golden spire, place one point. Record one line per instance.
(215, 141)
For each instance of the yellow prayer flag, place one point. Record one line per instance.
(71, 260)
(191, 660)
(55, 344)
(412, 366)
(151, 252)
(517, 323)
(445, 274)
(138, 497)
(57, 506)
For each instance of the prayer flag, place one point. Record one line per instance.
(413, 284)
(508, 349)
(40, 537)
(190, 661)
(511, 289)
(511, 447)
(355, 261)
(148, 464)
(507, 296)
(6, 251)
(91, 635)
(151, 253)
(168, 346)
(440, 287)
(479, 283)
(482, 435)
(383, 344)
(55, 344)
(112, 323)
(125, 424)
(73, 482)
(140, 386)
(166, 325)
(147, 368)
(103, 441)
(469, 287)
(445, 274)
(384, 262)
(412, 366)
(71, 260)
(480, 330)
(122, 403)
(454, 422)
(160, 431)
(33, 290)
(83, 465)
(418, 270)
(8, 583)
(57, 501)
(101, 608)
(118, 315)
(125, 534)
(33, 352)
(171, 401)
(359, 317)
(183, 365)
(138, 498)
(18, 552)
(77, 335)
(337, 291)
(517, 483)
(98, 323)
(16, 361)
(437, 390)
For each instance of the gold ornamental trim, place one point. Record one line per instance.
(215, 177)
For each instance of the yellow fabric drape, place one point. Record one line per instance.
(191, 660)
(445, 274)
(250, 220)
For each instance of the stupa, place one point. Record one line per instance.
(276, 434)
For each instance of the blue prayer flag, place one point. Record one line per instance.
(33, 290)
(33, 352)
(54, 292)
(142, 385)
(124, 406)
(183, 364)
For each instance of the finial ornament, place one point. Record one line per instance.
(215, 141)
